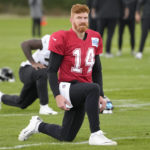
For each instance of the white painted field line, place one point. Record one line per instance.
(130, 137)
(123, 100)
(18, 115)
(114, 89)
(11, 115)
(40, 144)
(133, 105)
(125, 89)
(68, 143)
(127, 105)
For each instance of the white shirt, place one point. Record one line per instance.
(40, 56)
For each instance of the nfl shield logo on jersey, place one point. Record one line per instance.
(95, 41)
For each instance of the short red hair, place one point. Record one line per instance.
(79, 8)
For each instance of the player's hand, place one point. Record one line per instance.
(137, 17)
(126, 13)
(37, 66)
(103, 102)
(93, 13)
(62, 102)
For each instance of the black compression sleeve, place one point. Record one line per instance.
(97, 74)
(54, 63)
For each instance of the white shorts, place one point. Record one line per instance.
(64, 88)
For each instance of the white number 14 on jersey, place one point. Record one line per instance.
(89, 60)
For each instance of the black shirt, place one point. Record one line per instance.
(146, 7)
(108, 8)
(131, 4)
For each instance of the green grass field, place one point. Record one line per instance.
(126, 83)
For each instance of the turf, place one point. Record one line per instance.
(126, 83)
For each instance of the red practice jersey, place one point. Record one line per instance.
(79, 55)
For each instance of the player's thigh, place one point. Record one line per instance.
(111, 26)
(145, 26)
(79, 92)
(25, 74)
(28, 74)
(39, 74)
(101, 24)
(28, 95)
(131, 26)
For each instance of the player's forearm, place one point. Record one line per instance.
(28, 46)
(54, 63)
(27, 51)
(53, 81)
(97, 74)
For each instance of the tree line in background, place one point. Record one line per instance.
(50, 6)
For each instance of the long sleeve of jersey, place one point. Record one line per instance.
(97, 74)
(54, 63)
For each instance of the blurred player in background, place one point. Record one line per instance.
(92, 18)
(107, 13)
(143, 6)
(33, 74)
(36, 13)
(127, 20)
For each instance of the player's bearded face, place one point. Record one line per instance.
(80, 22)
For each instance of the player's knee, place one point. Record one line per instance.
(68, 139)
(23, 106)
(95, 88)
